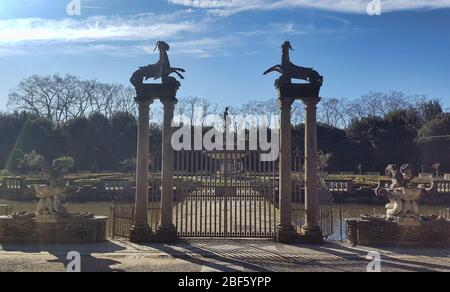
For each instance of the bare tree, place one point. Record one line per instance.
(60, 98)
(298, 113)
(380, 103)
(125, 100)
(333, 112)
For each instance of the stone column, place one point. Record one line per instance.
(285, 229)
(141, 230)
(312, 226)
(166, 229)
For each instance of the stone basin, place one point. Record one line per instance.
(407, 194)
(53, 231)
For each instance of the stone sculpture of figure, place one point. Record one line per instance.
(402, 196)
(402, 177)
(52, 195)
(160, 70)
(290, 71)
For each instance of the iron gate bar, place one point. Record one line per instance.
(224, 195)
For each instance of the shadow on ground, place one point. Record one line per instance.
(237, 255)
(265, 256)
(89, 263)
(202, 256)
(392, 262)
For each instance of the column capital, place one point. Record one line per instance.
(311, 101)
(285, 102)
(169, 102)
(142, 103)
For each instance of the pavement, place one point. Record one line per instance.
(219, 255)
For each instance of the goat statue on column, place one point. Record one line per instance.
(161, 69)
(290, 71)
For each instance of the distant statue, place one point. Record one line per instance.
(226, 121)
(290, 71)
(401, 194)
(226, 114)
(160, 70)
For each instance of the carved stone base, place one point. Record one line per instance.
(52, 231)
(286, 234)
(140, 234)
(165, 234)
(386, 233)
(313, 234)
(298, 91)
(409, 222)
(149, 92)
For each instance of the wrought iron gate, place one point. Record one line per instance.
(225, 194)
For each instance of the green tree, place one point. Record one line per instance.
(429, 110)
(439, 126)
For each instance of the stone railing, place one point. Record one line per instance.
(426, 176)
(373, 174)
(437, 186)
(347, 173)
(339, 185)
(13, 183)
(447, 176)
(115, 185)
(440, 186)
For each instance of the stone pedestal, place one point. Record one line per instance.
(141, 230)
(53, 231)
(378, 233)
(166, 230)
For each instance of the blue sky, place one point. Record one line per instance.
(225, 45)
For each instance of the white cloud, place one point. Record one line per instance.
(116, 35)
(94, 29)
(228, 7)
(113, 35)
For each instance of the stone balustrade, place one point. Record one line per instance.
(426, 176)
(447, 176)
(115, 185)
(347, 173)
(340, 185)
(441, 186)
(13, 183)
(373, 174)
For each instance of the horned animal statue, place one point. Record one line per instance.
(290, 71)
(160, 70)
